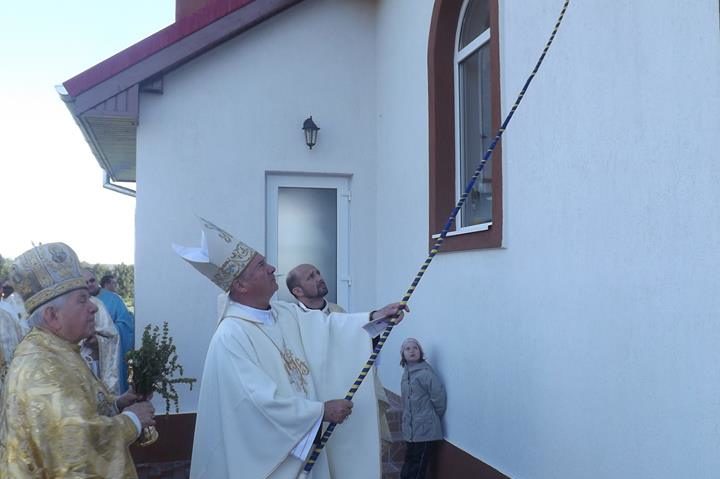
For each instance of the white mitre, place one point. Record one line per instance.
(220, 256)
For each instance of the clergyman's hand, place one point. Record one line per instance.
(389, 311)
(127, 399)
(337, 410)
(145, 411)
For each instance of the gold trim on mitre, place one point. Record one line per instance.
(45, 272)
(220, 257)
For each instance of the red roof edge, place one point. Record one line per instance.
(151, 45)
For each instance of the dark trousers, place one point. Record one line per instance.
(417, 456)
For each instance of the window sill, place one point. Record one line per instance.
(466, 230)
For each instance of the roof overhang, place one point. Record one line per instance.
(105, 100)
(110, 129)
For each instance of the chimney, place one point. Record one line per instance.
(185, 8)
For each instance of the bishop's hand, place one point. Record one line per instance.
(337, 410)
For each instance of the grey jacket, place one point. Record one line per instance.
(424, 403)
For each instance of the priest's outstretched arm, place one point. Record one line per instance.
(380, 318)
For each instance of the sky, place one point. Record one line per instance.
(51, 183)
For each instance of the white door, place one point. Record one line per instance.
(308, 221)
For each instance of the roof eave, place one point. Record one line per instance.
(95, 139)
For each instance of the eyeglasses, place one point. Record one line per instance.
(91, 281)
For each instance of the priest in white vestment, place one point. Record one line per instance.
(12, 298)
(272, 378)
(13, 303)
(307, 285)
(102, 352)
(10, 337)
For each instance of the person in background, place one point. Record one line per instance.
(12, 302)
(109, 282)
(424, 402)
(124, 322)
(102, 350)
(10, 337)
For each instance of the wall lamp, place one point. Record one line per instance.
(311, 131)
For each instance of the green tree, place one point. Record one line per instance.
(125, 275)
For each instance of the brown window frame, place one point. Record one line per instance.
(441, 115)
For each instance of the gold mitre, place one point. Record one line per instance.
(45, 272)
(220, 256)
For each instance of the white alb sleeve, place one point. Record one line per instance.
(376, 326)
(135, 420)
(302, 449)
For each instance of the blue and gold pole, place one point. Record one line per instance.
(436, 247)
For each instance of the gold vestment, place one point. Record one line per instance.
(58, 420)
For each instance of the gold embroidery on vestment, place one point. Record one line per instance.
(296, 369)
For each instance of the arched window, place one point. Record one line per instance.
(464, 115)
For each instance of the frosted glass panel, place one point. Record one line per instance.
(307, 233)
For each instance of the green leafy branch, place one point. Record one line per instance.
(155, 363)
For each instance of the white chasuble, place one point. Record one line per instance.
(337, 349)
(262, 393)
(108, 347)
(10, 337)
(252, 412)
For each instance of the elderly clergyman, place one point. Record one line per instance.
(273, 373)
(57, 419)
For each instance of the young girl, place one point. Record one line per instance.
(424, 402)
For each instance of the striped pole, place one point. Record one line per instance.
(436, 247)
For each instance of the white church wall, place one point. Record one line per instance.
(402, 174)
(226, 118)
(587, 345)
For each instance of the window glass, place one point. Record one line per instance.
(475, 135)
(475, 21)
